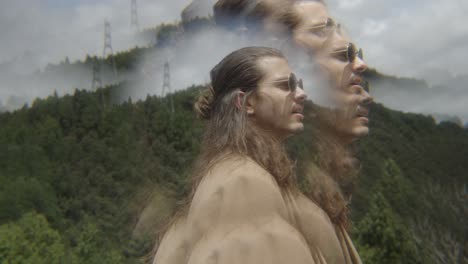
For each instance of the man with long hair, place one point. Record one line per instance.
(245, 206)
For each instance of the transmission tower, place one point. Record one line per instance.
(97, 83)
(167, 84)
(96, 75)
(134, 17)
(108, 51)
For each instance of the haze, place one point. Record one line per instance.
(417, 39)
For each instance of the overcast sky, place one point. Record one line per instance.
(409, 38)
(420, 38)
(53, 29)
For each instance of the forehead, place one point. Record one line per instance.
(311, 12)
(274, 68)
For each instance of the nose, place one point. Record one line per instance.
(300, 95)
(358, 65)
(366, 98)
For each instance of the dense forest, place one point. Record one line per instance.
(90, 177)
(77, 172)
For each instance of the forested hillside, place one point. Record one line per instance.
(77, 171)
(84, 171)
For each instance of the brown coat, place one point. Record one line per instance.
(239, 215)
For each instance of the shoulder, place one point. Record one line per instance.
(174, 245)
(318, 230)
(310, 209)
(274, 241)
(238, 215)
(236, 190)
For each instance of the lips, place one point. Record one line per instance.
(298, 109)
(356, 80)
(362, 112)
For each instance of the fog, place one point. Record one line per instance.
(36, 33)
(193, 56)
(447, 101)
(418, 39)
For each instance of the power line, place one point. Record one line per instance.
(167, 84)
(96, 75)
(108, 51)
(134, 17)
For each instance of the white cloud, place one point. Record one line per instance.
(349, 4)
(53, 33)
(373, 28)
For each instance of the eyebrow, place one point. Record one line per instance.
(344, 48)
(317, 22)
(281, 79)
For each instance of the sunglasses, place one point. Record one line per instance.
(349, 53)
(326, 27)
(291, 83)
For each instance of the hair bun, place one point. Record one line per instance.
(204, 101)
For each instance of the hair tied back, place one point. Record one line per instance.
(204, 103)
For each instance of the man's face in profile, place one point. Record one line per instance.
(343, 63)
(332, 49)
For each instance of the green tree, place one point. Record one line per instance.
(397, 190)
(30, 240)
(91, 248)
(382, 238)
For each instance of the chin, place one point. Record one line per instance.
(295, 129)
(359, 132)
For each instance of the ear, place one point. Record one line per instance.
(248, 106)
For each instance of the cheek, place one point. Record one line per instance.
(273, 109)
(334, 71)
(309, 42)
(265, 109)
(345, 100)
(346, 71)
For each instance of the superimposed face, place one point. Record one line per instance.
(343, 64)
(278, 102)
(315, 25)
(331, 49)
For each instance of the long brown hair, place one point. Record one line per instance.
(228, 129)
(329, 172)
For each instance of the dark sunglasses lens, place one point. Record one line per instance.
(351, 52)
(360, 54)
(330, 23)
(300, 84)
(292, 82)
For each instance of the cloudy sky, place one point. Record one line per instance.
(409, 38)
(421, 38)
(53, 29)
